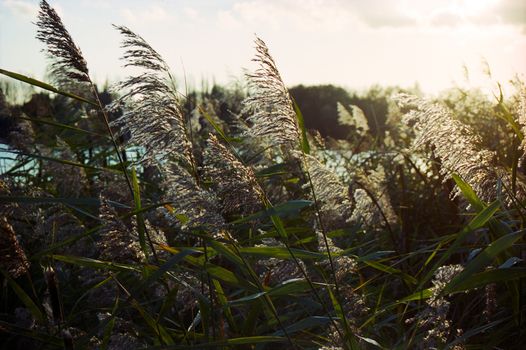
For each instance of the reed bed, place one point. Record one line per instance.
(143, 217)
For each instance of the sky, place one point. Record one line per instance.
(351, 43)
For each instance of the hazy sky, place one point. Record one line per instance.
(354, 43)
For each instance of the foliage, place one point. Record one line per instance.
(149, 218)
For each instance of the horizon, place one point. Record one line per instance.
(432, 45)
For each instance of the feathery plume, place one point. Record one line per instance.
(365, 211)
(331, 193)
(353, 304)
(68, 60)
(270, 104)
(117, 243)
(234, 183)
(124, 335)
(344, 265)
(357, 119)
(70, 180)
(5, 209)
(373, 208)
(458, 148)
(22, 136)
(434, 318)
(56, 224)
(274, 270)
(13, 260)
(194, 207)
(152, 115)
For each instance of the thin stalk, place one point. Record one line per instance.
(327, 247)
(121, 161)
(375, 201)
(268, 300)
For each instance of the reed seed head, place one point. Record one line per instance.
(68, 62)
(117, 242)
(234, 183)
(194, 207)
(269, 104)
(459, 149)
(331, 193)
(152, 115)
(13, 260)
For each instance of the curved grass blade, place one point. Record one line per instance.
(305, 147)
(66, 201)
(62, 161)
(44, 338)
(492, 276)
(45, 86)
(62, 126)
(484, 259)
(281, 253)
(284, 209)
(89, 232)
(468, 193)
(391, 271)
(262, 339)
(26, 299)
(478, 221)
(94, 263)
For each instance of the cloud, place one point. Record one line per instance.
(445, 19)
(512, 11)
(154, 13)
(281, 14)
(307, 15)
(21, 8)
(191, 13)
(438, 13)
(227, 20)
(97, 4)
(381, 13)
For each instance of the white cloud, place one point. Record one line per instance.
(21, 8)
(191, 13)
(335, 14)
(97, 4)
(227, 20)
(154, 13)
(304, 15)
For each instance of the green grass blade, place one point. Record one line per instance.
(45, 86)
(287, 208)
(423, 294)
(478, 221)
(305, 147)
(140, 218)
(262, 339)
(26, 299)
(62, 161)
(282, 253)
(484, 258)
(223, 301)
(492, 276)
(391, 271)
(96, 264)
(468, 193)
(62, 126)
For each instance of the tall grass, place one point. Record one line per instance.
(149, 218)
